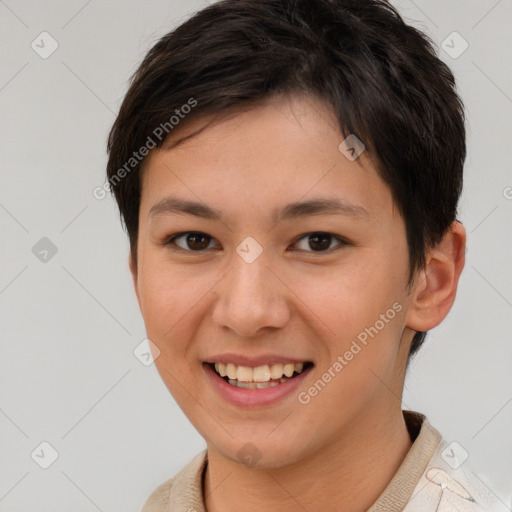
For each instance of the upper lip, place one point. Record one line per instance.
(262, 359)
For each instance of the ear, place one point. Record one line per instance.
(435, 286)
(133, 271)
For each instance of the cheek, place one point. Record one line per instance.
(349, 298)
(165, 299)
(167, 305)
(174, 302)
(158, 300)
(358, 310)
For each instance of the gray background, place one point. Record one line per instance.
(70, 324)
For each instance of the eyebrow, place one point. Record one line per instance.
(320, 206)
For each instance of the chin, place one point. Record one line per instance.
(259, 453)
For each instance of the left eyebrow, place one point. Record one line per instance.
(320, 206)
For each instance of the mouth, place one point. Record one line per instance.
(259, 377)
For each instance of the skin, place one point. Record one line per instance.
(345, 445)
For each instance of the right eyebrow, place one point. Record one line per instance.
(170, 205)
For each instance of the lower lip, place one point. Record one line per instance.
(242, 397)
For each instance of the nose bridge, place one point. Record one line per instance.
(250, 296)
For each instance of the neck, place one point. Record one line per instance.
(367, 457)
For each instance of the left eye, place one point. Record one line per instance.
(320, 241)
(197, 241)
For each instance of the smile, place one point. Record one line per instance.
(259, 377)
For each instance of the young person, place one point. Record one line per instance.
(288, 174)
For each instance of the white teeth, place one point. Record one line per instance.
(246, 385)
(244, 373)
(221, 368)
(254, 385)
(276, 371)
(289, 369)
(231, 370)
(259, 374)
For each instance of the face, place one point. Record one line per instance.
(245, 279)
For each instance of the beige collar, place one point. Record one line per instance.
(397, 493)
(184, 492)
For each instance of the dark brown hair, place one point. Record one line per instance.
(381, 77)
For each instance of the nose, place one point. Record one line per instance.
(251, 298)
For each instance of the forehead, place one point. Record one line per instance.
(280, 151)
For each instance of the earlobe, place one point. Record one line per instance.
(436, 285)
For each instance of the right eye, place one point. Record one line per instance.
(195, 240)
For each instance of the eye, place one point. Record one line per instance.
(320, 241)
(197, 241)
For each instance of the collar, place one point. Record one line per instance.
(426, 439)
(184, 492)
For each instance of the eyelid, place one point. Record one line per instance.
(341, 242)
(169, 242)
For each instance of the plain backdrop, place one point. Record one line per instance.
(69, 318)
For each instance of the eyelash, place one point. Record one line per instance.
(169, 242)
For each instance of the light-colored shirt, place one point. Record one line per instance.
(433, 477)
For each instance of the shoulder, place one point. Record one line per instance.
(183, 488)
(158, 500)
(449, 483)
